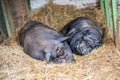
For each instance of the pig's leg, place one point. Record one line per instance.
(48, 57)
(37, 54)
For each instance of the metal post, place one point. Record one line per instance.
(114, 16)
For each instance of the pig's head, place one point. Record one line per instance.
(60, 53)
(63, 53)
(87, 41)
(82, 47)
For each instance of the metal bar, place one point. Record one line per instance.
(29, 5)
(102, 6)
(2, 20)
(114, 16)
(7, 16)
(107, 13)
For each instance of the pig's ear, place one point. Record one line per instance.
(64, 38)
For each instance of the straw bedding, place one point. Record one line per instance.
(102, 63)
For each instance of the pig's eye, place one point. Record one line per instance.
(60, 51)
(63, 56)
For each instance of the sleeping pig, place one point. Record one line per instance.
(43, 43)
(84, 35)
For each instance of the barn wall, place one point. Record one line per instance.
(79, 3)
(19, 10)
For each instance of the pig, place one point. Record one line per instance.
(84, 35)
(44, 43)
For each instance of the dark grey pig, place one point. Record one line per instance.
(84, 35)
(43, 43)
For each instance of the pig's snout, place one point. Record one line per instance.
(65, 57)
(82, 48)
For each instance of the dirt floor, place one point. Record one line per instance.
(102, 63)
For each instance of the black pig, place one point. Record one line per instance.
(84, 35)
(43, 43)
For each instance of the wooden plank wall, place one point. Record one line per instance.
(19, 10)
(3, 30)
(7, 16)
(14, 13)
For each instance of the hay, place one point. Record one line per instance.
(102, 63)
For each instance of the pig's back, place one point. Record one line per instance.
(78, 24)
(34, 29)
(40, 36)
